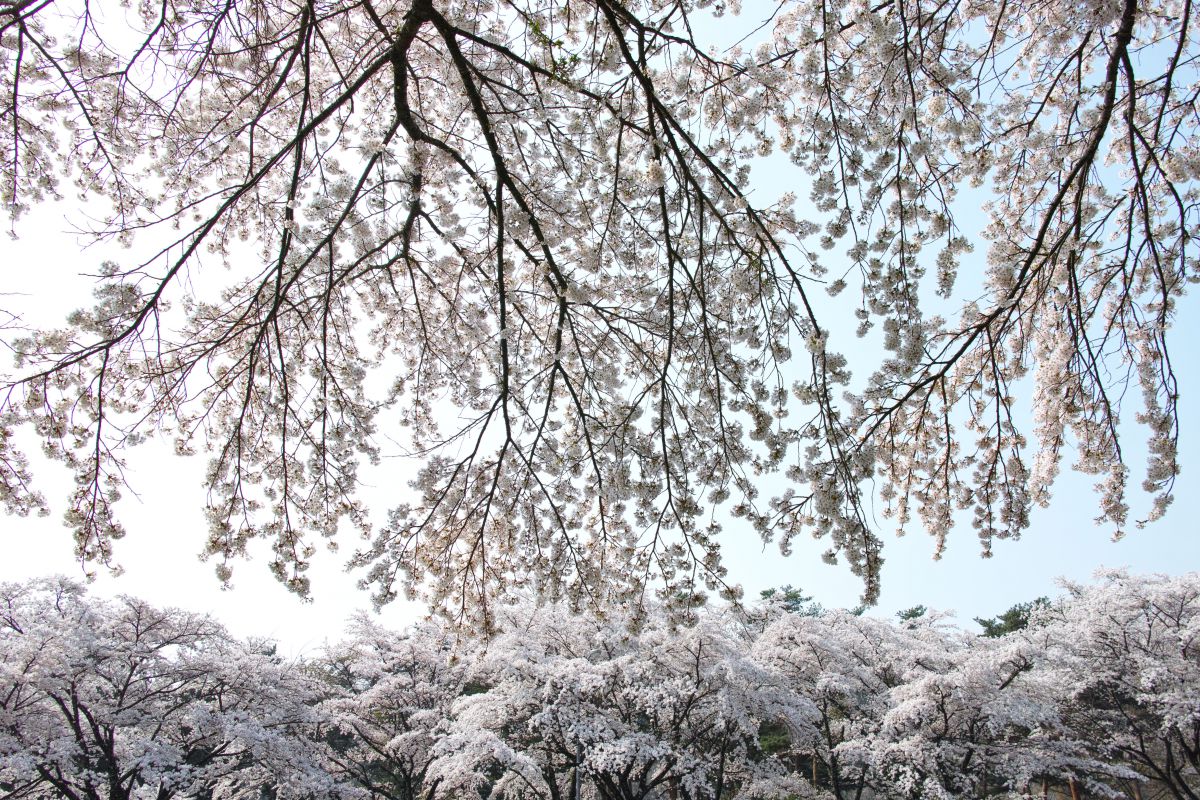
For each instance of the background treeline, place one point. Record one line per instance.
(1094, 694)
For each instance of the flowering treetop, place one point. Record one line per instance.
(524, 233)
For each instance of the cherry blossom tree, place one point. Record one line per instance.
(586, 703)
(845, 666)
(493, 730)
(1129, 649)
(525, 234)
(394, 708)
(114, 701)
(993, 719)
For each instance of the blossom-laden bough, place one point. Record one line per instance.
(525, 232)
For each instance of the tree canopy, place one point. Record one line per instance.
(115, 700)
(524, 234)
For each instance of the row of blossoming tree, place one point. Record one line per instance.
(1097, 696)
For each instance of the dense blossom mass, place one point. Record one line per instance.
(1096, 697)
(519, 240)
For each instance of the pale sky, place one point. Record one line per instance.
(166, 527)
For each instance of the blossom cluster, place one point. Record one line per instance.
(522, 242)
